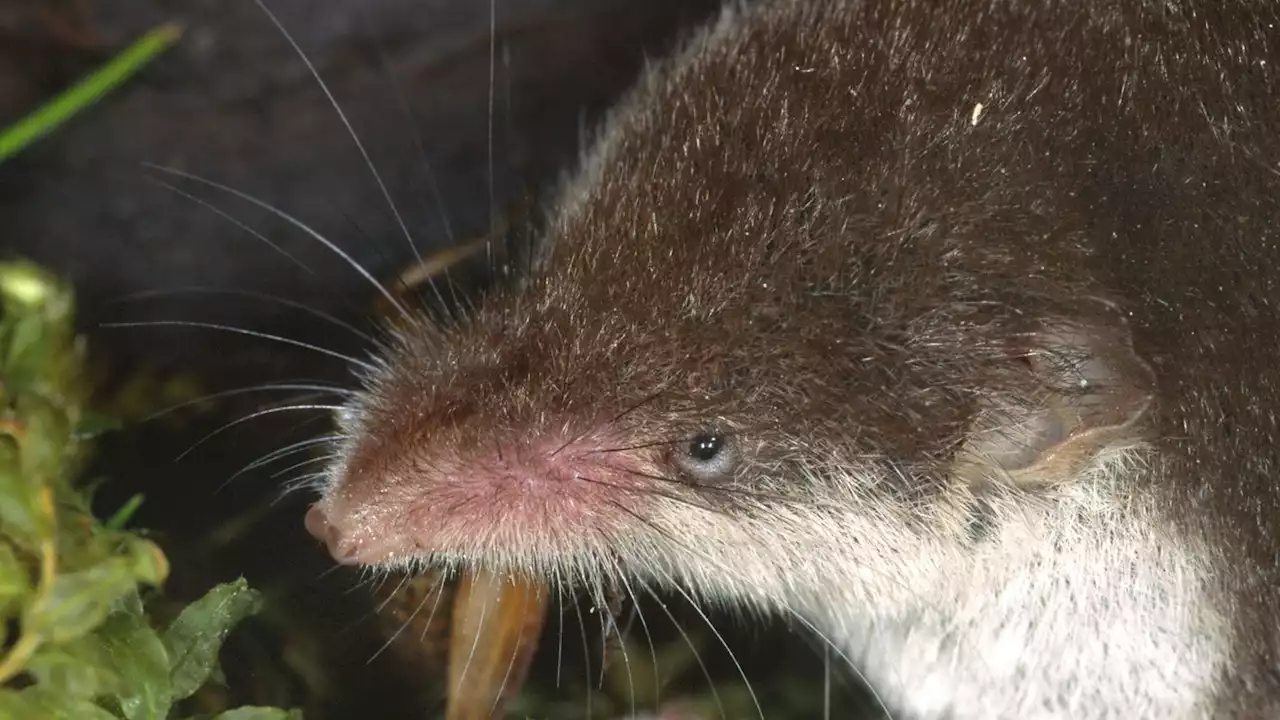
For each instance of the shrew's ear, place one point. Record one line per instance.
(1081, 390)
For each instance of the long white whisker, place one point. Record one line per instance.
(302, 482)
(493, 40)
(260, 463)
(559, 586)
(653, 652)
(435, 605)
(292, 221)
(280, 453)
(371, 580)
(586, 649)
(236, 292)
(403, 625)
(304, 463)
(242, 331)
(475, 641)
(732, 656)
(697, 657)
(350, 130)
(511, 664)
(826, 683)
(407, 108)
(829, 643)
(234, 221)
(251, 416)
(606, 615)
(270, 387)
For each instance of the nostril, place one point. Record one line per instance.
(343, 550)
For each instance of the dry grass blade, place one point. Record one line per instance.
(496, 625)
(495, 622)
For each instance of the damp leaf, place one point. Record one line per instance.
(194, 638)
(259, 713)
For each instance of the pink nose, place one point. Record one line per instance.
(345, 550)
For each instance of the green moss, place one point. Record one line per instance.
(83, 644)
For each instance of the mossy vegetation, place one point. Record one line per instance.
(75, 591)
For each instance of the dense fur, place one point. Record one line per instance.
(983, 294)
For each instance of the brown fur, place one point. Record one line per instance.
(805, 234)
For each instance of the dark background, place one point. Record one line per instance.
(234, 103)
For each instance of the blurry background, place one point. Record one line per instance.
(233, 102)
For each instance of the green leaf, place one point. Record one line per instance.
(121, 517)
(197, 633)
(148, 562)
(259, 713)
(18, 519)
(93, 424)
(142, 660)
(28, 346)
(78, 602)
(25, 286)
(15, 581)
(37, 703)
(80, 669)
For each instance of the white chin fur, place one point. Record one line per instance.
(1076, 605)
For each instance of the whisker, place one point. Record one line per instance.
(831, 644)
(717, 489)
(370, 367)
(251, 416)
(406, 107)
(274, 455)
(386, 194)
(266, 297)
(515, 653)
(438, 592)
(304, 463)
(826, 683)
(660, 493)
(613, 420)
(380, 607)
(291, 448)
(648, 523)
(596, 596)
(640, 491)
(493, 39)
(642, 446)
(234, 221)
(269, 387)
(366, 238)
(408, 621)
(622, 641)
(732, 656)
(475, 640)
(586, 650)
(560, 592)
(333, 568)
(646, 445)
(302, 482)
(697, 656)
(371, 580)
(292, 221)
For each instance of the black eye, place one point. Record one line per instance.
(707, 457)
(705, 448)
